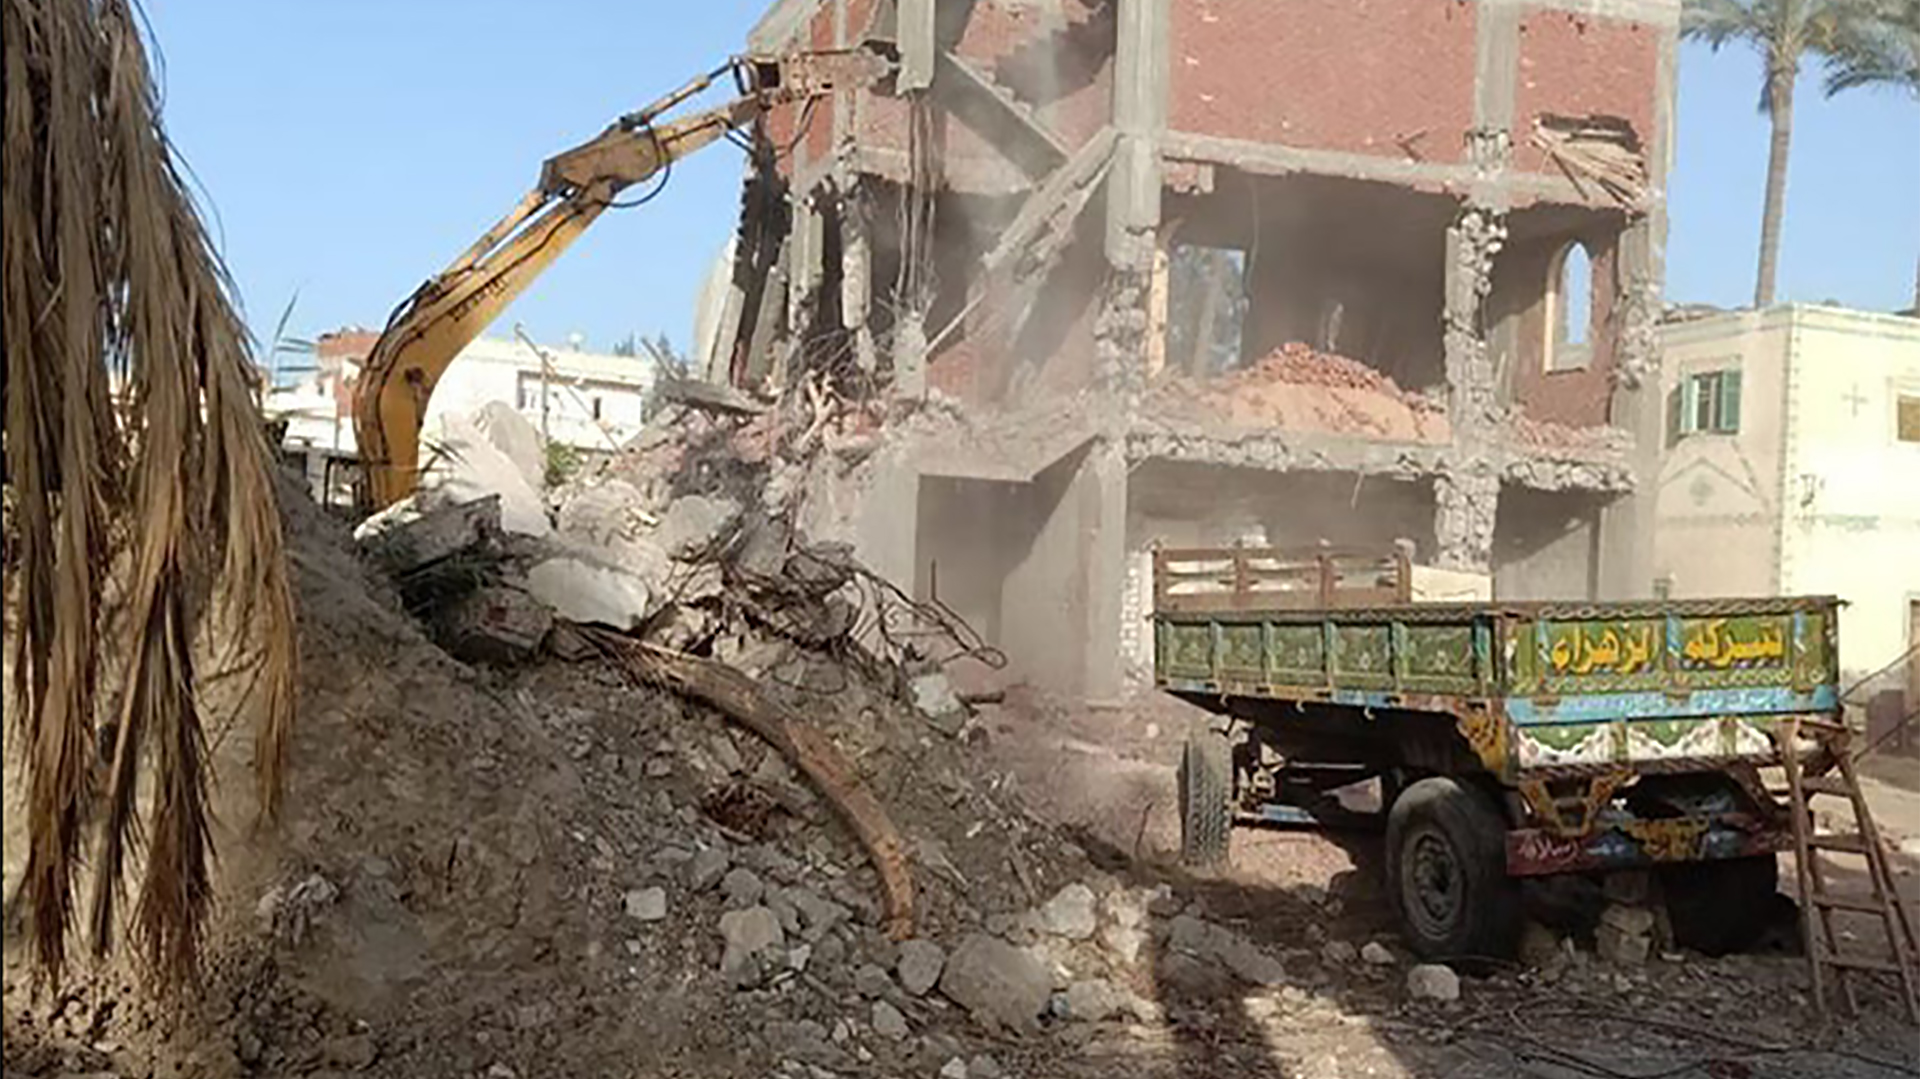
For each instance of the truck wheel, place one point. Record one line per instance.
(1206, 795)
(1447, 868)
(1721, 906)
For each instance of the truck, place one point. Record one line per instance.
(1510, 740)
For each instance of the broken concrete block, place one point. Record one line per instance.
(1625, 935)
(821, 569)
(1633, 921)
(406, 535)
(1431, 981)
(506, 430)
(586, 591)
(748, 933)
(933, 697)
(461, 465)
(1620, 947)
(682, 628)
(604, 513)
(997, 982)
(695, 524)
(494, 624)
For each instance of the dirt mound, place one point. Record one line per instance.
(466, 880)
(1299, 388)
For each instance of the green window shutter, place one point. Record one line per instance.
(1727, 414)
(1676, 408)
(1690, 404)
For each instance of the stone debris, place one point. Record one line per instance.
(498, 624)
(1339, 953)
(1432, 981)
(1070, 913)
(1124, 908)
(872, 981)
(706, 868)
(919, 966)
(1625, 935)
(405, 536)
(999, 984)
(1094, 999)
(888, 1022)
(742, 886)
(1203, 940)
(647, 904)
(462, 463)
(693, 526)
(748, 934)
(954, 1068)
(1378, 954)
(584, 590)
(933, 696)
(1123, 942)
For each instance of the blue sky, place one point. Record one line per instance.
(349, 149)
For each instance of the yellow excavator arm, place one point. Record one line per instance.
(452, 308)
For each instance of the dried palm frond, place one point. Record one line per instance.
(137, 462)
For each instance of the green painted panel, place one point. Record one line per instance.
(1363, 654)
(1186, 649)
(1439, 657)
(1297, 653)
(1241, 650)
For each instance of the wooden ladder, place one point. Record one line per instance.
(1818, 902)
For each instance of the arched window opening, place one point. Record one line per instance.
(1570, 309)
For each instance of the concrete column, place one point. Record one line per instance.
(1061, 602)
(1140, 68)
(1626, 525)
(889, 518)
(1466, 491)
(1465, 502)
(1103, 484)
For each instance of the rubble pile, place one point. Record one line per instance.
(1300, 388)
(568, 856)
(1552, 436)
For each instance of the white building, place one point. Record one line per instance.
(1793, 466)
(588, 400)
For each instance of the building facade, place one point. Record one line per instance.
(1198, 271)
(1793, 467)
(588, 400)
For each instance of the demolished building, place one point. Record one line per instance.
(1113, 274)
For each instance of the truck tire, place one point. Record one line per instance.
(1721, 906)
(1447, 872)
(1206, 799)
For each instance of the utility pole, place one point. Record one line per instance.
(546, 380)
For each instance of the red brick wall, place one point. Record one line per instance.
(859, 18)
(820, 124)
(996, 34)
(1577, 398)
(1352, 75)
(1575, 65)
(780, 120)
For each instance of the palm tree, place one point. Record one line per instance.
(136, 467)
(1783, 32)
(1881, 51)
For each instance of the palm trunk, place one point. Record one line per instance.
(1780, 112)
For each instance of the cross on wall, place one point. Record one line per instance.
(1854, 398)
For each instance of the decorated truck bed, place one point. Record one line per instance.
(1592, 736)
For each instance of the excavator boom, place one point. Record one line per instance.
(452, 308)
